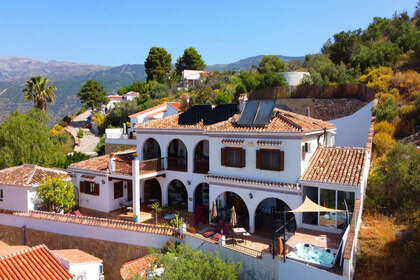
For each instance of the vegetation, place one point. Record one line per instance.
(57, 194)
(158, 64)
(100, 147)
(92, 94)
(156, 207)
(271, 63)
(190, 60)
(38, 90)
(100, 120)
(80, 133)
(177, 221)
(72, 158)
(182, 262)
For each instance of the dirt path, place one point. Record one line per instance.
(90, 140)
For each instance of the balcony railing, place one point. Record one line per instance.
(201, 166)
(177, 164)
(152, 165)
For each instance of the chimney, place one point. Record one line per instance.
(111, 163)
(243, 98)
(308, 111)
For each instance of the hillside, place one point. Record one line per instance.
(69, 77)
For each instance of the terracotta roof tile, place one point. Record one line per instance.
(136, 267)
(28, 175)
(6, 249)
(76, 256)
(34, 263)
(339, 165)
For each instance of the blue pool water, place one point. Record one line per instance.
(313, 254)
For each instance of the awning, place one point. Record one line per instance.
(310, 206)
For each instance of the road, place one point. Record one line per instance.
(90, 140)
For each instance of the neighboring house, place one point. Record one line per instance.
(294, 78)
(192, 77)
(82, 265)
(114, 99)
(136, 268)
(18, 186)
(31, 263)
(124, 137)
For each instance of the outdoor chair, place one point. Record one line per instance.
(209, 233)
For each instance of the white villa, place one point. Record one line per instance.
(113, 99)
(191, 77)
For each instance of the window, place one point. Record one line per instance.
(101, 269)
(327, 199)
(118, 190)
(1, 195)
(89, 188)
(310, 218)
(270, 159)
(348, 197)
(306, 148)
(233, 157)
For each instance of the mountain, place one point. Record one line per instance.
(69, 78)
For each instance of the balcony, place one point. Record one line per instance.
(152, 165)
(117, 136)
(201, 166)
(177, 164)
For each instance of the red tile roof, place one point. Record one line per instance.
(6, 249)
(162, 106)
(136, 267)
(281, 121)
(35, 263)
(76, 256)
(28, 175)
(339, 165)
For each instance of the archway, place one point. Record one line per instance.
(152, 191)
(201, 157)
(269, 215)
(201, 203)
(177, 195)
(225, 201)
(151, 149)
(177, 156)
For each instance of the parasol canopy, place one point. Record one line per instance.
(310, 206)
(214, 210)
(233, 217)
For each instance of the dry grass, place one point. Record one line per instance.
(381, 254)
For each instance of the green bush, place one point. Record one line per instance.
(384, 127)
(383, 142)
(80, 133)
(386, 109)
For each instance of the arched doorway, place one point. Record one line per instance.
(177, 195)
(225, 201)
(201, 203)
(151, 149)
(269, 215)
(152, 191)
(177, 156)
(201, 157)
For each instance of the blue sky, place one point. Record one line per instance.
(119, 31)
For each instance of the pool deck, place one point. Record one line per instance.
(313, 237)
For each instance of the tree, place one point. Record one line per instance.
(190, 60)
(386, 109)
(271, 63)
(183, 262)
(270, 80)
(377, 78)
(92, 94)
(56, 193)
(249, 80)
(158, 64)
(345, 44)
(25, 138)
(156, 207)
(38, 90)
(381, 53)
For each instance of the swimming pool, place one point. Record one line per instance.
(313, 254)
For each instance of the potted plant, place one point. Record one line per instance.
(136, 218)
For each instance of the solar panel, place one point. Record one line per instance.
(264, 112)
(248, 114)
(220, 113)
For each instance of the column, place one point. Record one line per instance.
(251, 222)
(190, 202)
(136, 187)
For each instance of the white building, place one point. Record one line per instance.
(114, 99)
(81, 264)
(192, 77)
(294, 78)
(18, 186)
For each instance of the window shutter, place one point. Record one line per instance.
(96, 190)
(259, 159)
(243, 158)
(281, 160)
(303, 152)
(82, 186)
(223, 156)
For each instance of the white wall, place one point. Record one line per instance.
(99, 202)
(89, 270)
(294, 78)
(353, 130)
(16, 198)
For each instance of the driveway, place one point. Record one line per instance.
(90, 140)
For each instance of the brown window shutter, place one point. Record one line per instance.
(96, 191)
(281, 160)
(243, 159)
(259, 158)
(303, 152)
(223, 156)
(82, 186)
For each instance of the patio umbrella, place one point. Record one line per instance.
(233, 217)
(214, 211)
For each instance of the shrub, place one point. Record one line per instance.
(383, 142)
(100, 121)
(80, 133)
(377, 78)
(407, 112)
(384, 127)
(56, 194)
(386, 109)
(56, 130)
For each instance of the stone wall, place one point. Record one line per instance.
(113, 254)
(109, 148)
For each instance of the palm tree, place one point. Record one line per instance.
(38, 90)
(156, 207)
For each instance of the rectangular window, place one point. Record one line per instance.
(310, 218)
(327, 199)
(348, 197)
(233, 157)
(89, 188)
(270, 159)
(1, 195)
(118, 190)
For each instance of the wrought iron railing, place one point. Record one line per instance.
(152, 165)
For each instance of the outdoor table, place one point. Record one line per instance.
(239, 230)
(169, 217)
